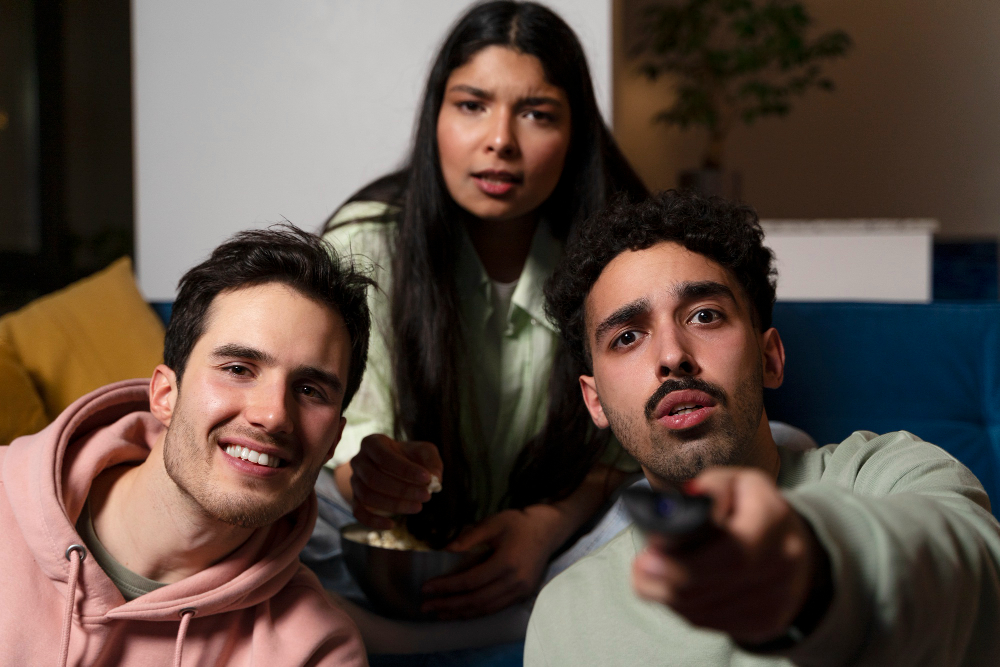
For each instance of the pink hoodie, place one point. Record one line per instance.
(260, 606)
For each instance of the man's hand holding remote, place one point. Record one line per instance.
(753, 578)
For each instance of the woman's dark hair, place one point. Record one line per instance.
(428, 349)
(282, 254)
(727, 233)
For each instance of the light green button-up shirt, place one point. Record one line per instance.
(510, 367)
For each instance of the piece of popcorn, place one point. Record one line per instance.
(435, 484)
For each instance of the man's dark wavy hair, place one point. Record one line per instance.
(280, 254)
(729, 234)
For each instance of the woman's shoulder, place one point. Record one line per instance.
(362, 226)
(364, 211)
(363, 229)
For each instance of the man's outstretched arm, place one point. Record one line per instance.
(912, 554)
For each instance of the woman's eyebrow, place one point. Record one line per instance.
(530, 101)
(471, 90)
(537, 101)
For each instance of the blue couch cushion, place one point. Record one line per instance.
(931, 369)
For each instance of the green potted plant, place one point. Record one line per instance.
(732, 61)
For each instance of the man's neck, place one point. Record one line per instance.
(764, 454)
(150, 527)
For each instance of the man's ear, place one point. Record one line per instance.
(773, 353)
(593, 401)
(340, 432)
(163, 390)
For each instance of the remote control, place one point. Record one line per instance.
(684, 521)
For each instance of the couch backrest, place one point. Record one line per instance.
(931, 369)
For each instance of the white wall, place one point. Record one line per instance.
(253, 111)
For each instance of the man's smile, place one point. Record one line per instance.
(250, 455)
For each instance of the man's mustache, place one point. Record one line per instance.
(670, 386)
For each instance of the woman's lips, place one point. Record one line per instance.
(496, 183)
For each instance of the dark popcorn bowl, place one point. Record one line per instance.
(392, 578)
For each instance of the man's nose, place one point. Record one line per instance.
(268, 408)
(502, 138)
(674, 355)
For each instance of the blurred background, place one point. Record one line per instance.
(158, 129)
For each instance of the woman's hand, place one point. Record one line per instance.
(391, 477)
(522, 542)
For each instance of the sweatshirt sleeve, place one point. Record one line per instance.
(914, 553)
(371, 408)
(534, 647)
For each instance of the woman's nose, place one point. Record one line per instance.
(503, 136)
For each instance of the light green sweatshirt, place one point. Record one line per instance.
(914, 552)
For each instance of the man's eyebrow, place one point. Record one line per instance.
(624, 314)
(234, 350)
(702, 289)
(321, 377)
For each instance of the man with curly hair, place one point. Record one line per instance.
(878, 550)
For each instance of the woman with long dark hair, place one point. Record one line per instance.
(467, 380)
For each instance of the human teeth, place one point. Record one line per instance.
(684, 409)
(247, 454)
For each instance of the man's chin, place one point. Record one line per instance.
(247, 515)
(685, 455)
(701, 432)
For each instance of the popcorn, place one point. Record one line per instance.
(398, 538)
(435, 484)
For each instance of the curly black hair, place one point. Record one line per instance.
(727, 233)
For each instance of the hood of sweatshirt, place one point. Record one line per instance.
(47, 477)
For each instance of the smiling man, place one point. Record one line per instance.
(880, 550)
(164, 517)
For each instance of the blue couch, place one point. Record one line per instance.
(931, 369)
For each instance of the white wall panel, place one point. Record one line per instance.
(852, 260)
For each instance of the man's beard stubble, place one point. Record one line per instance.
(726, 438)
(233, 508)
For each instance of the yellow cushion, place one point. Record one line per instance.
(21, 409)
(96, 331)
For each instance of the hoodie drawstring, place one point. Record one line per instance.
(74, 575)
(186, 615)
